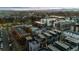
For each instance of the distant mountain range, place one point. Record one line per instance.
(37, 9)
(5, 11)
